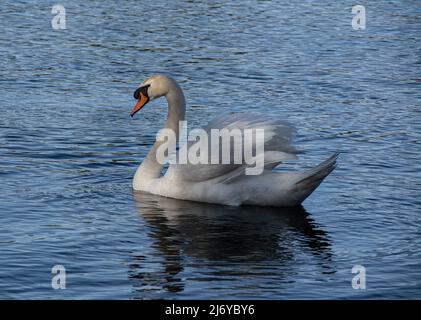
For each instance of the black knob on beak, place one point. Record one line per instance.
(137, 93)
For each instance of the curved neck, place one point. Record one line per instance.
(150, 167)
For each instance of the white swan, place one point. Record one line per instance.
(224, 183)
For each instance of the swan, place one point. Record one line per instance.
(225, 184)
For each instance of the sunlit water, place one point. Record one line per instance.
(69, 148)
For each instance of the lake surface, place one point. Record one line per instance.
(69, 149)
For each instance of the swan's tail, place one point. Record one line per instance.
(312, 178)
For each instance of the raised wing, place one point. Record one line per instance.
(277, 140)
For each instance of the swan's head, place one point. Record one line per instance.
(152, 88)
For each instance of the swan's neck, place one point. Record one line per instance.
(150, 167)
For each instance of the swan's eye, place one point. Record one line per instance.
(141, 90)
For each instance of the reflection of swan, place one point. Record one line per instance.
(225, 183)
(238, 240)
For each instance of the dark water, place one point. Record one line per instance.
(69, 148)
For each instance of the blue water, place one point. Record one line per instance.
(69, 148)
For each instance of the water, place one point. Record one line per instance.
(69, 149)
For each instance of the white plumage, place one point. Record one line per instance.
(227, 183)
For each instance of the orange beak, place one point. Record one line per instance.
(143, 100)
